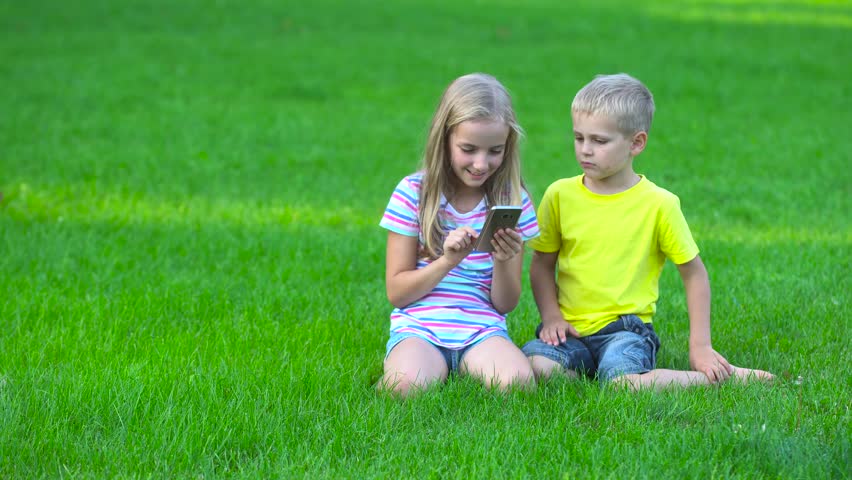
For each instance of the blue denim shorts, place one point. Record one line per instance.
(627, 345)
(452, 356)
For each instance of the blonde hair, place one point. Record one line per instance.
(476, 96)
(619, 96)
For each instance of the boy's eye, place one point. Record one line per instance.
(600, 140)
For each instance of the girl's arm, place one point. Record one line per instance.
(508, 262)
(405, 283)
(506, 283)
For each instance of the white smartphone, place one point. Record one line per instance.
(499, 217)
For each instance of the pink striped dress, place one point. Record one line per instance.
(458, 311)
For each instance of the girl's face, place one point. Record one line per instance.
(476, 150)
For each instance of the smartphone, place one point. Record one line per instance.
(499, 217)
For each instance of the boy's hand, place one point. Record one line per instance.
(458, 244)
(555, 332)
(507, 243)
(710, 363)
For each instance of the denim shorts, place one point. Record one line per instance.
(627, 345)
(452, 356)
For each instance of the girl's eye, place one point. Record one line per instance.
(496, 151)
(467, 149)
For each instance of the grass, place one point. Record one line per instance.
(192, 271)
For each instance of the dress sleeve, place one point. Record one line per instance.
(401, 213)
(528, 223)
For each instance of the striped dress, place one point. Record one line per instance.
(458, 311)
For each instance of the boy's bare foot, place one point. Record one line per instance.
(749, 375)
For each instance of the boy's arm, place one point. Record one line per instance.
(555, 329)
(702, 357)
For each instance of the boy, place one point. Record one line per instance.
(609, 232)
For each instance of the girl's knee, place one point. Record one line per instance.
(525, 379)
(405, 383)
(524, 375)
(520, 375)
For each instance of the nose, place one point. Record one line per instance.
(480, 161)
(585, 147)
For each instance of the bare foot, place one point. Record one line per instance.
(749, 375)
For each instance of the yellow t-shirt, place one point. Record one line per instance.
(612, 248)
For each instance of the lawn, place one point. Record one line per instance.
(192, 272)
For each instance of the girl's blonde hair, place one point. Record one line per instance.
(476, 96)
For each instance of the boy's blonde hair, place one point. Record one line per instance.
(621, 97)
(476, 96)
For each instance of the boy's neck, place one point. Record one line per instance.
(612, 185)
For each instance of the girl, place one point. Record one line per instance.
(451, 300)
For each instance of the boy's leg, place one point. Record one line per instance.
(750, 375)
(660, 379)
(544, 367)
(628, 357)
(498, 363)
(413, 364)
(571, 358)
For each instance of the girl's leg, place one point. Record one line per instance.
(570, 358)
(497, 362)
(413, 364)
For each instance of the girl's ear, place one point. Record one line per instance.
(640, 140)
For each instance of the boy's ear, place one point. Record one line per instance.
(640, 140)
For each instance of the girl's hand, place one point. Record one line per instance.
(458, 244)
(507, 243)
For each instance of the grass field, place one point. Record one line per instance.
(191, 268)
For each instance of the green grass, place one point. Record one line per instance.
(191, 271)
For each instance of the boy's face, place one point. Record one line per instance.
(603, 151)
